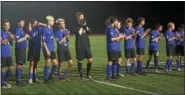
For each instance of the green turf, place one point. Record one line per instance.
(162, 83)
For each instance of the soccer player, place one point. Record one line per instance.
(35, 30)
(179, 48)
(48, 49)
(119, 55)
(170, 45)
(6, 56)
(129, 46)
(83, 45)
(20, 50)
(62, 38)
(140, 42)
(113, 47)
(154, 46)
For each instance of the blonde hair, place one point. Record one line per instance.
(49, 17)
(170, 24)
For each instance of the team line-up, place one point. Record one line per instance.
(42, 35)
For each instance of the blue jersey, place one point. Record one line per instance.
(60, 34)
(169, 34)
(5, 48)
(118, 43)
(140, 42)
(20, 33)
(48, 38)
(129, 43)
(153, 45)
(180, 38)
(111, 33)
(35, 35)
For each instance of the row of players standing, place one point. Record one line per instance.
(134, 40)
(39, 32)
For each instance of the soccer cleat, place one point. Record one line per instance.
(142, 73)
(179, 69)
(37, 80)
(108, 78)
(156, 71)
(170, 70)
(114, 77)
(3, 86)
(46, 81)
(8, 85)
(20, 83)
(88, 77)
(166, 70)
(30, 81)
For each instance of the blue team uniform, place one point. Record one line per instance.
(35, 44)
(140, 42)
(6, 56)
(170, 48)
(62, 48)
(129, 43)
(153, 45)
(48, 38)
(179, 43)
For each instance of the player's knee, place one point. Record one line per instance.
(170, 57)
(2, 68)
(70, 62)
(110, 62)
(90, 60)
(55, 62)
(19, 66)
(11, 68)
(178, 57)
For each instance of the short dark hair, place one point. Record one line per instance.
(158, 25)
(181, 26)
(33, 20)
(79, 13)
(113, 19)
(20, 20)
(140, 19)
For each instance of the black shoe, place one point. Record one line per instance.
(89, 77)
(114, 77)
(134, 74)
(142, 73)
(20, 83)
(46, 81)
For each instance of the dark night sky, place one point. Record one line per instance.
(95, 12)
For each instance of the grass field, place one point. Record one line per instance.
(159, 83)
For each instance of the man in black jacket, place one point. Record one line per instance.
(83, 45)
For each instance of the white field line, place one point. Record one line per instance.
(115, 85)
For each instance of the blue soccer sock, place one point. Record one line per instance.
(127, 68)
(53, 69)
(34, 75)
(132, 67)
(156, 63)
(139, 66)
(8, 74)
(18, 74)
(167, 64)
(30, 75)
(3, 74)
(118, 69)
(109, 70)
(170, 64)
(178, 64)
(46, 69)
(114, 67)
